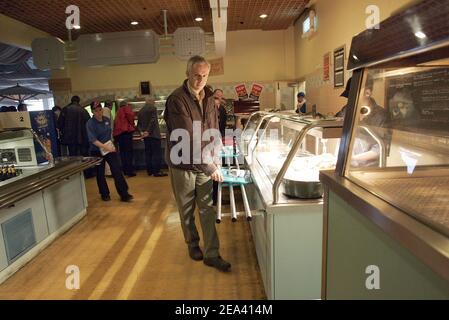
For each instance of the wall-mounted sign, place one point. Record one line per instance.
(58, 85)
(145, 88)
(216, 67)
(326, 66)
(241, 91)
(256, 91)
(339, 67)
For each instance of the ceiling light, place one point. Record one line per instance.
(420, 35)
(77, 27)
(199, 19)
(263, 16)
(134, 23)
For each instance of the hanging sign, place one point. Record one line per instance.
(241, 91)
(256, 91)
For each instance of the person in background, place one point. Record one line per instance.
(22, 107)
(99, 132)
(123, 133)
(107, 112)
(301, 106)
(72, 126)
(148, 125)
(191, 182)
(222, 114)
(345, 94)
(56, 112)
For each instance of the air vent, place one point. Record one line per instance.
(19, 236)
(24, 155)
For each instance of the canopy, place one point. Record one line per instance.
(19, 93)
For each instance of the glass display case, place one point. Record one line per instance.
(286, 153)
(399, 145)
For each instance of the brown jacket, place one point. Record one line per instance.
(181, 109)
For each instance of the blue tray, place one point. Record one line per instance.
(228, 152)
(235, 176)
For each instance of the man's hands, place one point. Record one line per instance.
(217, 176)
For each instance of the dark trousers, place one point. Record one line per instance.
(153, 155)
(125, 144)
(76, 150)
(119, 180)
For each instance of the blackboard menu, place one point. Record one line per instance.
(420, 99)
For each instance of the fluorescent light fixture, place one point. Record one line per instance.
(263, 16)
(77, 27)
(134, 23)
(420, 35)
(199, 19)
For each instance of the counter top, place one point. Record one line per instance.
(428, 244)
(35, 179)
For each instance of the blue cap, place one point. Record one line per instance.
(301, 94)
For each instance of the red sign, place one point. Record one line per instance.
(241, 91)
(256, 91)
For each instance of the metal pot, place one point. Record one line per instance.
(303, 189)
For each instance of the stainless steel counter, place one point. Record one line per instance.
(35, 179)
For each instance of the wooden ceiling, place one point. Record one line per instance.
(99, 16)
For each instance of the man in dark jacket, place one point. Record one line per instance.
(147, 124)
(72, 126)
(190, 113)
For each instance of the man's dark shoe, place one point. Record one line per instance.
(195, 253)
(106, 198)
(127, 198)
(131, 175)
(217, 262)
(160, 174)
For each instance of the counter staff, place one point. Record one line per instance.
(99, 133)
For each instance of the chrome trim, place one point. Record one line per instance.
(382, 154)
(405, 54)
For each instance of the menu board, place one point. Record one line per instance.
(419, 98)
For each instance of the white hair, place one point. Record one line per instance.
(196, 60)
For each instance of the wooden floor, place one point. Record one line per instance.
(137, 251)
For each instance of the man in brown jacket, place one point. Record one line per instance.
(191, 115)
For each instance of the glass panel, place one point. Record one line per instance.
(317, 150)
(400, 142)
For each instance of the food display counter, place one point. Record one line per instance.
(285, 154)
(38, 203)
(386, 231)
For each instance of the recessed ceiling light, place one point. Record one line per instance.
(77, 27)
(199, 19)
(420, 35)
(263, 16)
(134, 23)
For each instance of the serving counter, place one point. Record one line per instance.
(386, 228)
(37, 206)
(284, 154)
